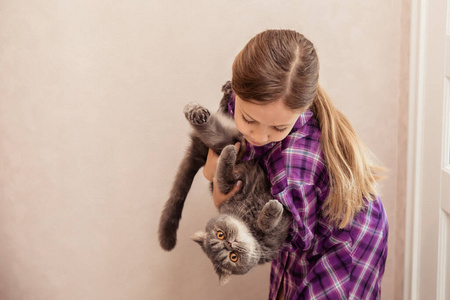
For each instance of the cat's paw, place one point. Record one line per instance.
(270, 215)
(228, 154)
(226, 88)
(195, 113)
(273, 208)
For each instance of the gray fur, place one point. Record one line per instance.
(208, 132)
(254, 225)
(253, 222)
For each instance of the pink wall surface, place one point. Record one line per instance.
(92, 131)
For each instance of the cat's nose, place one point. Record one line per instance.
(229, 245)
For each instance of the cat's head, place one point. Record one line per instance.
(229, 245)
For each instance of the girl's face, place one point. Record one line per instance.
(262, 124)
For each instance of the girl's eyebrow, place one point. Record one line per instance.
(247, 116)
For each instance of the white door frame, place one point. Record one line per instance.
(425, 128)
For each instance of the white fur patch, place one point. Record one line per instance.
(244, 235)
(227, 122)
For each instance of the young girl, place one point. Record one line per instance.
(319, 170)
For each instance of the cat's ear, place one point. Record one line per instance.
(224, 276)
(199, 237)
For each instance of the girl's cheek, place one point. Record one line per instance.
(242, 129)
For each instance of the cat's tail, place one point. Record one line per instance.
(171, 214)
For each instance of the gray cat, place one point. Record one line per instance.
(213, 132)
(251, 226)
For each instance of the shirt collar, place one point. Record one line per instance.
(302, 120)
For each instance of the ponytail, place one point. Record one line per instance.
(352, 173)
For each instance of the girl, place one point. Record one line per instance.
(319, 170)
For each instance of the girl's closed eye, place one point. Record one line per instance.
(280, 129)
(248, 121)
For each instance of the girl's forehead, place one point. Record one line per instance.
(275, 113)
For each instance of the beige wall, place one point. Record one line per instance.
(92, 131)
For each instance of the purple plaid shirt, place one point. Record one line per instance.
(319, 261)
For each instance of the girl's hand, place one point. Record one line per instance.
(209, 170)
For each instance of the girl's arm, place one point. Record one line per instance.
(209, 170)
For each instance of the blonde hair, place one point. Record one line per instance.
(283, 64)
(351, 168)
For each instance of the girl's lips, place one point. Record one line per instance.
(254, 143)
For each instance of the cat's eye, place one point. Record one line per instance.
(220, 235)
(233, 257)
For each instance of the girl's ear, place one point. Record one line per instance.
(199, 237)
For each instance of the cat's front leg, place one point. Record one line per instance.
(270, 215)
(215, 130)
(196, 114)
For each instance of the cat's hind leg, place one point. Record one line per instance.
(193, 160)
(226, 176)
(270, 215)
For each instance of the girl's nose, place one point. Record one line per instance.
(260, 136)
